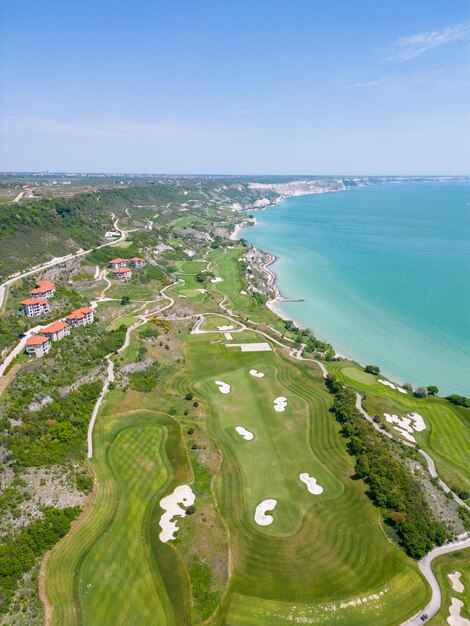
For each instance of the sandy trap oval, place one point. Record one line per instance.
(223, 387)
(260, 514)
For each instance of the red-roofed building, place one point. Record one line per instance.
(35, 306)
(56, 331)
(123, 272)
(115, 264)
(81, 317)
(45, 289)
(137, 262)
(38, 345)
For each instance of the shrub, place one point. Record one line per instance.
(433, 390)
(372, 369)
(421, 392)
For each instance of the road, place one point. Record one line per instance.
(57, 261)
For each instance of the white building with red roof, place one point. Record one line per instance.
(115, 264)
(122, 273)
(137, 262)
(45, 289)
(35, 306)
(38, 345)
(81, 317)
(56, 331)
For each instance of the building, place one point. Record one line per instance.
(115, 264)
(38, 345)
(81, 317)
(137, 262)
(35, 306)
(122, 272)
(44, 289)
(56, 331)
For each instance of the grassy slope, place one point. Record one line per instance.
(448, 564)
(320, 549)
(112, 547)
(447, 437)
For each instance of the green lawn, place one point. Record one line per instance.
(135, 291)
(320, 550)
(443, 566)
(447, 436)
(107, 570)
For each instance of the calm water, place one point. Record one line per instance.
(385, 274)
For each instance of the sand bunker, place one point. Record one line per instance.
(223, 387)
(457, 584)
(243, 293)
(246, 434)
(260, 514)
(413, 422)
(455, 619)
(280, 404)
(181, 495)
(222, 328)
(250, 347)
(217, 279)
(228, 336)
(391, 385)
(311, 483)
(256, 374)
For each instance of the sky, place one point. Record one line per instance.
(236, 86)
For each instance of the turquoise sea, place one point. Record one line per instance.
(385, 274)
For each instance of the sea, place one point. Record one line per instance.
(384, 271)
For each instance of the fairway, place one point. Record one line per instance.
(447, 434)
(113, 546)
(320, 550)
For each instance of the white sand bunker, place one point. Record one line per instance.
(256, 374)
(457, 584)
(280, 404)
(217, 279)
(243, 293)
(246, 434)
(391, 385)
(222, 328)
(223, 387)
(181, 495)
(455, 619)
(250, 347)
(260, 514)
(311, 483)
(413, 422)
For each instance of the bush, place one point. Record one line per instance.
(421, 392)
(372, 369)
(408, 386)
(125, 300)
(145, 380)
(459, 400)
(433, 390)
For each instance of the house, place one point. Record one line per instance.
(56, 331)
(81, 317)
(122, 272)
(38, 345)
(116, 263)
(35, 306)
(137, 262)
(44, 289)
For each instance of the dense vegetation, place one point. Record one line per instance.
(391, 486)
(19, 555)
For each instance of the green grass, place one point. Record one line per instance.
(320, 550)
(212, 322)
(107, 570)
(448, 564)
(133, 290)
(191, 267)
(447, 436)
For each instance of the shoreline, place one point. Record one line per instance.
(272, 304)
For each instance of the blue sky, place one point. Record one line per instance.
(236, 86)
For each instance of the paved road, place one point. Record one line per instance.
(56, 261)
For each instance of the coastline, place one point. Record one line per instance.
(268, 276)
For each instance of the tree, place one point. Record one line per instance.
(188, 396)
(372, 369)
(433, 390)
(408, 386)
(125, 300)
(421, 392)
